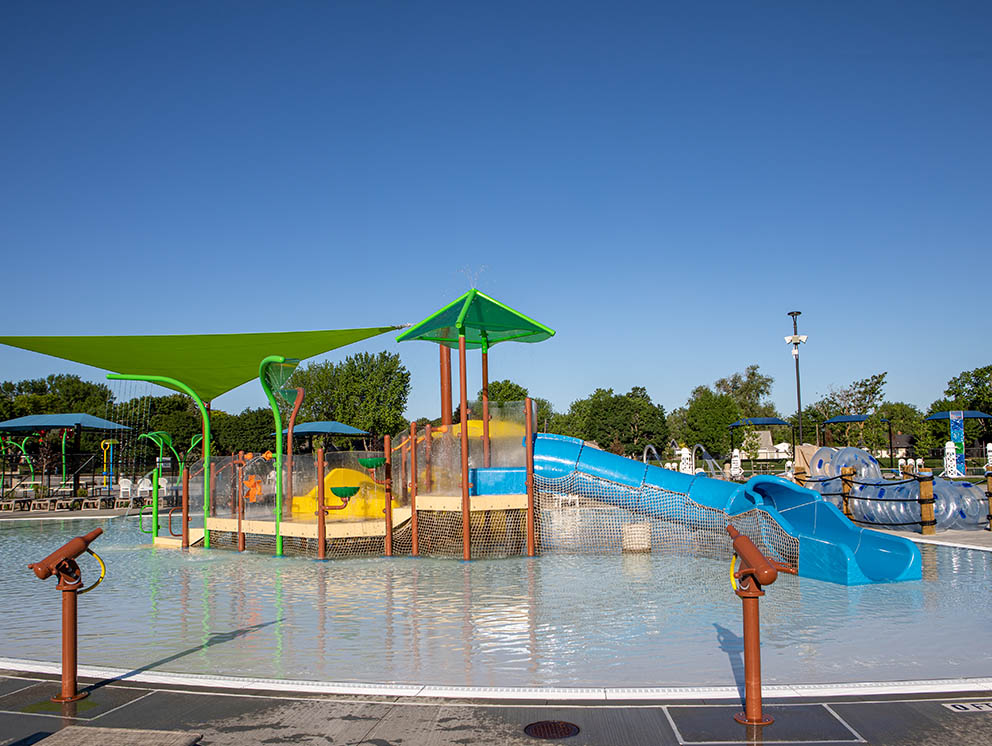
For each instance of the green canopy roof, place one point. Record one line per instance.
(483, 321)
(210, 364)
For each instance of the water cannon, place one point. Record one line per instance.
(754, 564)
(62, 564)
(63, 558)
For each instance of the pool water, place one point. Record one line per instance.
(556, 620)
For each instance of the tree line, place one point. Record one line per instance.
(370, 392)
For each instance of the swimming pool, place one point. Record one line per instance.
(557, 620)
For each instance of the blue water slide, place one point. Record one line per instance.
(831, 547)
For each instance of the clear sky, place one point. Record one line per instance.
(659, 182)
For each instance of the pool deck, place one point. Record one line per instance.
(240, 712)
(254, 715)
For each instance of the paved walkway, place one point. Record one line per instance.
(955, 538)
(249, 717)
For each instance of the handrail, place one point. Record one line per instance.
(141, 516)
(171, 532)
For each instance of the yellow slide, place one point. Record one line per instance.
(497, 429)
(368, 503)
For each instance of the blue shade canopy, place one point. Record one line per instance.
(842, 418)
(760, 421)
(326, 427)
(34, 422)
(969, 414)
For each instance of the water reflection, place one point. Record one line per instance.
(634, 620)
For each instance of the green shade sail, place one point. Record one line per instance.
(484, 321)
(210, 364)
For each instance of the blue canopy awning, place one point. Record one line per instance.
(842, 418)
(760, 421)
(36, 422)
(326, 427)
(968, 414)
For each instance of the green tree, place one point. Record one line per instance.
(750, 391)
(623, 423)
(251, 430)
(972, 389)
(707, 420)
(501, 392)
(365, 391)
(904, 418)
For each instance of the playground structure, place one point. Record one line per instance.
(38, 490)
(486, 487)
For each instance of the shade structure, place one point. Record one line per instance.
(210, 364)
(845, 418)
(325, 427)
(760, 421)
(477, 321)
(968, 414)
(482, 320)
(36, 422)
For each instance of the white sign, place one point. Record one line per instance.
(970, 706)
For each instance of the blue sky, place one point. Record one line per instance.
(660, 183)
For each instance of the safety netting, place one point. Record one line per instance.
(579, 513)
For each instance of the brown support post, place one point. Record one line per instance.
(529, 450)
(414, 535)
(486, 458)
(928, 523)
(289, 451)
(388, 479)
(185, 540)
(846, 479)
(428, 476)
(463, 411)
(69, 628)
(799, 474)
(241, 500)
(321, 512)
(445, 387)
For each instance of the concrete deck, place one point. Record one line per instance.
(981, 540)
(250, 716)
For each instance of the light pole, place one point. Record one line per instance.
(795, 340)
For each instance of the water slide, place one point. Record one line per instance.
(831, 547)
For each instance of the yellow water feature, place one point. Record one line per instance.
(368, 503)
(497, 429)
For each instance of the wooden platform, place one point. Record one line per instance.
(308, 529)
(453, 503)
(176, 542)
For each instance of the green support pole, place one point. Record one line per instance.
(157, 438)
(262, 368)
(206, 428)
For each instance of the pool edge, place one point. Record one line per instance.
(586, 694)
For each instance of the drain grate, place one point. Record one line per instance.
(551, 729)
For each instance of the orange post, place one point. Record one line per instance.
(289, 448)
(486, 457)
(463, 410)
(755, 570)
(428, 476)
(388, 479)
(529, 450)
(445, 387)
(321, 511)
(241, 500)
(414, 534)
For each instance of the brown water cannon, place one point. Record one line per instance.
(63, 557)
(755, 566)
